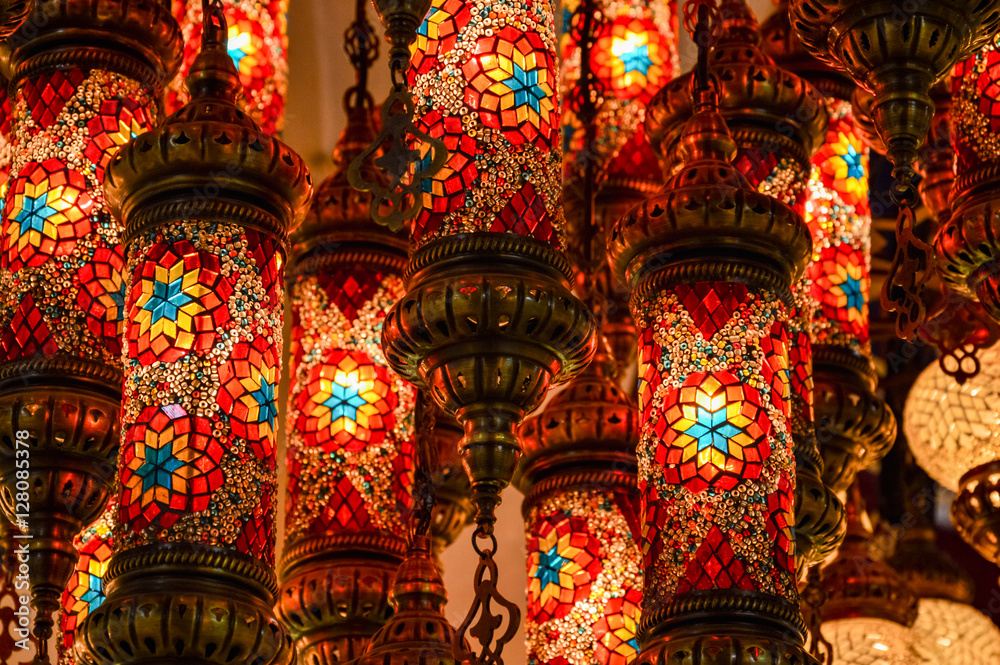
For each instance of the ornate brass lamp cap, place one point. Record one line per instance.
(418, 632)
(762, 103)
(339, 216)
(779, 41)
(138, 39)
(708, 222)
(859, 585)
(896, 54)
(172, 172)
(589, 425)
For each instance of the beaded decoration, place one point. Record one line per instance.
(258, 45)
(716, 470)
(975, 114)
(839, 219)
(202, 349)
(584, 581)
(61, 260)
(350, 424)
(483, 75)
(634, 54)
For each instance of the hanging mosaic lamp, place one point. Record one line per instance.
(84, 77)
(257, 41)
(351, 420)
(613, 57)
(898, 56)
(418, 631)
(85, 591)
(966, 243)
(777, 120)
(869, 607)
(947, 627)
(196, 501)
(710, 262)
(950, 427)
(578, 476)
(489, 322)
(857, 428)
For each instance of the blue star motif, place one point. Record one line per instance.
(158, 467)
(636, 59)
(712, 429)
(344, 402)
(525, 87)
(237, 55)
(855, 170)
(167, 298)
(851, 288)
(33, 213)
(264, 396)
(549, 565)
(93, 596)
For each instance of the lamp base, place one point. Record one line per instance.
(185, 604)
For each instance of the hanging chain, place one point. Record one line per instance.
(701, 18)
(910, 271)
(214, 31)
(361, 46)
(397, 193)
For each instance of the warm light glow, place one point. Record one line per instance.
(952, 428)
(957, 633)
(865, 641)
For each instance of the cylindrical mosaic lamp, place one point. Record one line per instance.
(710, 262)
(85, 591)
(855, 427)
(488, 321)
(257, 41)
(351, 419)
(581, 523)
(614, 56)
(206, 201)
(84, 78)
(777, 119)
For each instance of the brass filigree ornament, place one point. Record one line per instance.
(707, 225)
(184, 600)
(66, 401)
(396, 197)
(898, 55)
